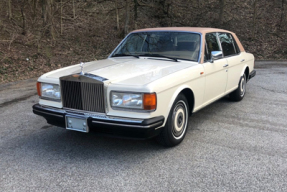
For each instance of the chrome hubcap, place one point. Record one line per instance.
(179, 119)
(242, 86)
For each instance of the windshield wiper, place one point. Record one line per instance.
(159, 55)
(123, 55)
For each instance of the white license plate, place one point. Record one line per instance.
(77, 123)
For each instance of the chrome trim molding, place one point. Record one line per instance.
(125, 125)
(53, 109)
(93, 115)
(48, 113)
(95, 77)
(51, 99)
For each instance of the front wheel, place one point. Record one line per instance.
(239, 93)
(175, 129)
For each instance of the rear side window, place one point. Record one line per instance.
(227, 44)
(211, 45)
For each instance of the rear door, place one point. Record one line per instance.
(234, 59)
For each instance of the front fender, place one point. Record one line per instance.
(176, 92)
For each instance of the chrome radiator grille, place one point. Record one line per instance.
(83, 96)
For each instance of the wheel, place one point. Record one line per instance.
(175, 129)
(239, 93)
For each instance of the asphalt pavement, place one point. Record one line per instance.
(229, 146)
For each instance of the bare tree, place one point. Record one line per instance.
(136, 13)
(44, 15)
(254, 18)
(282, 18)
(61, 17)
(35, 2)
(74, 9)
(9, 9)
(47, 14)
(127, 17)
(221, 13)
(117, 15)
(23, 18)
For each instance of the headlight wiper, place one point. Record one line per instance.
(123, 55)
(159, 55)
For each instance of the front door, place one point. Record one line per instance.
(215, 73)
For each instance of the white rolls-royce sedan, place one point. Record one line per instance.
(149, 85)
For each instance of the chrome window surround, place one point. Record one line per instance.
(201, 40)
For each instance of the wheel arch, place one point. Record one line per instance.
(188, 93)
(245, 71)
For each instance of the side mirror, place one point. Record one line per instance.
(215, 55)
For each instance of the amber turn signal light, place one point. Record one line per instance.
(39, 88)
(149, 101)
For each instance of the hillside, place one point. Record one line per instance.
(37, 36)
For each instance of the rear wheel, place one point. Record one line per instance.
(239, 93)
(175, 129)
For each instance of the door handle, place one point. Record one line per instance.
(242, 60)
(226, 65)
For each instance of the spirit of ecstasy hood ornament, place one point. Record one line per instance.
(82, 67)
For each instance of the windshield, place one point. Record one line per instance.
(177, 45)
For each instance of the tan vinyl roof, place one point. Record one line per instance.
(202, 30)
(186, 29)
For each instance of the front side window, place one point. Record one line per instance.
(178, 45)
(227, 44)
(211, 44)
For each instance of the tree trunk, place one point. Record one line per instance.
(221, 13)
(282, 14)
(254, 18)
(117, 14)
(74, 10)
(34, 8)
(127, 17)
(170, 12)
(23, 20)
(44, 12)
(9, 9)
(61, 17)
(136, 13)
(48, 17)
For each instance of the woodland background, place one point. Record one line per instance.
(37, 36)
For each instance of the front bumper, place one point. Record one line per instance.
(119, 127)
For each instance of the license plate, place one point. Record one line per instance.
(77, 124)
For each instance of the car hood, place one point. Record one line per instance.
(127, 71)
